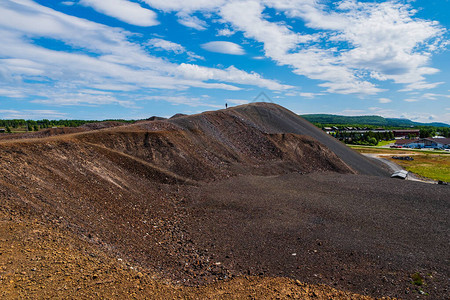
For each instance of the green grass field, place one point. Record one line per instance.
(428, 164)
(384, 143)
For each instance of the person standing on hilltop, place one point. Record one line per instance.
(226, 105)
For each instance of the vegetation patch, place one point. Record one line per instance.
(429, 165)
(417, 279)
(384, 143)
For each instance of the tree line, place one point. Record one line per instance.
(370, 138)
(36, 125)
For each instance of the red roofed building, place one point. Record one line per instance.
(406, 133)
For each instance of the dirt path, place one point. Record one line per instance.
(392, 166)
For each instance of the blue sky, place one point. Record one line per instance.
(98, 59)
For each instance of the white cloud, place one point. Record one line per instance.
(290, 48)
(191, 21)
(386, 41)
(172, 47)
(420, 85)
(95, 92)
(422, 117)
(31, 114)
(410, 100)
(225, 32)
(383, 41)
(111, 61)
(432, 96)
(114, 87)
(384, 100)
(126, 11)
(310, 95)
(192, 56)
(166, 45)
(183, 100)
(185, 5)
(302, 94)
(11, 93)
(230, 74)
(417, 117)
(83, 99)
(224, 47)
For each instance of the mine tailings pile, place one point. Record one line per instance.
(251, 190)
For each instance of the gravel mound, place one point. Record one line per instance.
(253, 190)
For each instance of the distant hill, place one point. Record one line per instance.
(367, 120)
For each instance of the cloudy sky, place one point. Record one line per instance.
(99, 59)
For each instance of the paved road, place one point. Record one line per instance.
(392, 166)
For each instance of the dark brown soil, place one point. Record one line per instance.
(225, 194)
(357, 233)
(44, 261)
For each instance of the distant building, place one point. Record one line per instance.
(402, 134)
(442, 143)
(365, 131)
(328, 130)
(2, 130)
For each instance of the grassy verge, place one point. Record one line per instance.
(376, 149)
(434, 165)
(384, 143)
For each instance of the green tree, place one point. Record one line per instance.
(8, 130)
(427, 132)
(372, 141)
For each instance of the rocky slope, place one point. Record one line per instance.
(151, 195)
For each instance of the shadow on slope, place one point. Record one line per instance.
(272, 118)
(215, 145)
